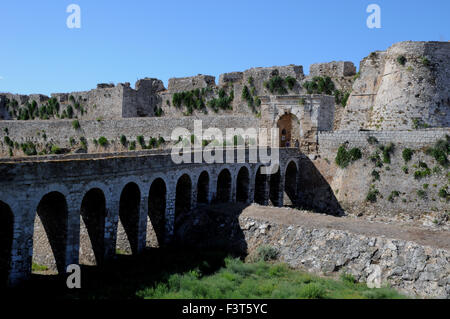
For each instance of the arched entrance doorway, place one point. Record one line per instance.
(289, 127)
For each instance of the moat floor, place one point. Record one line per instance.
(288, 216)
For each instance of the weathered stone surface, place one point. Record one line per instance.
(190, 83)
(392, 96)
(334, 69)
(409, 267)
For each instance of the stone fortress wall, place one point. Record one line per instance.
(404, 87)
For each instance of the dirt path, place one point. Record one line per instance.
(287, 216)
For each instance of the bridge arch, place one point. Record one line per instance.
(261, 187)
(129, 212)
(6, 239)
(92, 227)
(291, 184)
(203, 188)
(183, 197)
(274, 192)
(243, 185)
(50, 232)
(157, 208)
(224, 181)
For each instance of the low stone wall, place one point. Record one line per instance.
(58, 132)
(407, 266)
(416, 138)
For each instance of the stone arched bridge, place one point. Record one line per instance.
(85, 208)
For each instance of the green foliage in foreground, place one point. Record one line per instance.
(259, 280)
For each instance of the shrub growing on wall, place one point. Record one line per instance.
(344, 157)
(407, 154)
(103, 141)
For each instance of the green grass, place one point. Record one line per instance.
(37, 267)
(259, 280)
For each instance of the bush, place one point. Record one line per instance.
(425, 61)
(387, 151)
(401, 60)
(103, 141)
(422, 173)
(319, 85)
(393, 195)
(123, 140)
(276, 85)
(405, 169)
(344, 157)
(421, 193)
(290, 81)
(372, 194)
(440, 151)
(76, 124)
(372, 140)
(56, 150)
(407, 154)
(28, 148)
(140, 139)
(267, 253)
(376, 175)
(132, 146)
(443, 193)
(8, 141)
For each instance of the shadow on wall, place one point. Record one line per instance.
(314, 191)
(213, 227)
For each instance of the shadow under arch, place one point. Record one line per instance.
(50, 232)
(261, 187)
(203, 188)
(92, 227)
(6, 239)
(291, 193)
(274, 191)
(242, 185)
(128, 227)
(223, 194)
(183, 198)
(157, 209)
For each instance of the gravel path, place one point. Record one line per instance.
(287, 216)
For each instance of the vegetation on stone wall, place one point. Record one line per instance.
(401, 59)
(440, 151)
(320, 85)
(407, 154)
(103, 141)
(372, 194)
(276, 85)
(345, 157)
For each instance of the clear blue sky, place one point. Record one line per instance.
(122, 41)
